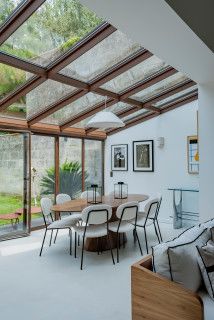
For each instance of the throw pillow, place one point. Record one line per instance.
(206, 264)
(183, 262)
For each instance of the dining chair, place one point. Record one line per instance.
(96, 219)
(60, 199)
(127, 214)
(52, 225)
(148, 218)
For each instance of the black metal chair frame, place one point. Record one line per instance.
(84, 235)
(134, 231)
(57, 229)
(153, 221)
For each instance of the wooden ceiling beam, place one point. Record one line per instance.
(22, 125)
(142, 118)
(126, 64)
(81, 116)
(20, 92)
(20, 15)
(22, 64)
(84, 45)
(56, 106)
(141, 85)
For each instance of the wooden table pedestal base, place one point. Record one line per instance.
(101, 244)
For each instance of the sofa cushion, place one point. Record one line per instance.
(160, 251)
(183, 261)
(208, 305)
(206, 264)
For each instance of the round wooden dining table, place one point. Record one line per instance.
(78, 205)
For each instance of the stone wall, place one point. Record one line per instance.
(42, 158)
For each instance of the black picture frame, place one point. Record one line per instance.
(149, 158)
(124, 167)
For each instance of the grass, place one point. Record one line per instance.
(9, 204)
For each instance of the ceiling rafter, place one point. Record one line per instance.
(148, 104)
(22, 64)
(96, 36)
(141, 85)
(30, 84)
(56, 106)
(49, 129)
(81, 116)
(143, 118)
(126, 64)
(20, 15)
(109, 74)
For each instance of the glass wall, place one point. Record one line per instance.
(14, 183)
(42, 174)
(15, 171)
(70, 166)
(93, 163)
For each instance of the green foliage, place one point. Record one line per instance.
(6, 8)
(69, 43)
(10, 78)
(57, 24)
(70, 179)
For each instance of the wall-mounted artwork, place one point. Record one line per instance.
(193, 154)
(143, 155)
(119, 157)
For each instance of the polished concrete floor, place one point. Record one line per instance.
(53, 287)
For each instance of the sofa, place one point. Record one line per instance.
(155, 295)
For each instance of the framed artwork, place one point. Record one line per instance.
(119, 157)
(143, 156)
(193, 154)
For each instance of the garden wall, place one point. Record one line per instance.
(42, 158)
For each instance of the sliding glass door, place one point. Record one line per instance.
(14, 184)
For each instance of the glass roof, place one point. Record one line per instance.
(10, 79)
(71, 110)
(7, 7)
(176, 96)
(135, 114)
(139, 72)
(160, 86)
(101, 57)
(45, 94)
(51, 30)
(45, 36)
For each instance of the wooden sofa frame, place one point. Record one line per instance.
(157, 298)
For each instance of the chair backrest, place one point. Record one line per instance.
(151, 208)
(127, 211)
(88, 194)
(62, 197)
(46, 204)
(97, 214)
(159, 195)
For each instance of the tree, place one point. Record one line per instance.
(6, 8)
(54, 24)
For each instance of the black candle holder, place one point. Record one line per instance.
(94, 194)
(120, 190)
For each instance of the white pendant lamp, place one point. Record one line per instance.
(104, 120)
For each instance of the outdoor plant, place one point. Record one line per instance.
(70, 179)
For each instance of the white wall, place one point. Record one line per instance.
(170, 163)
(206, 135)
